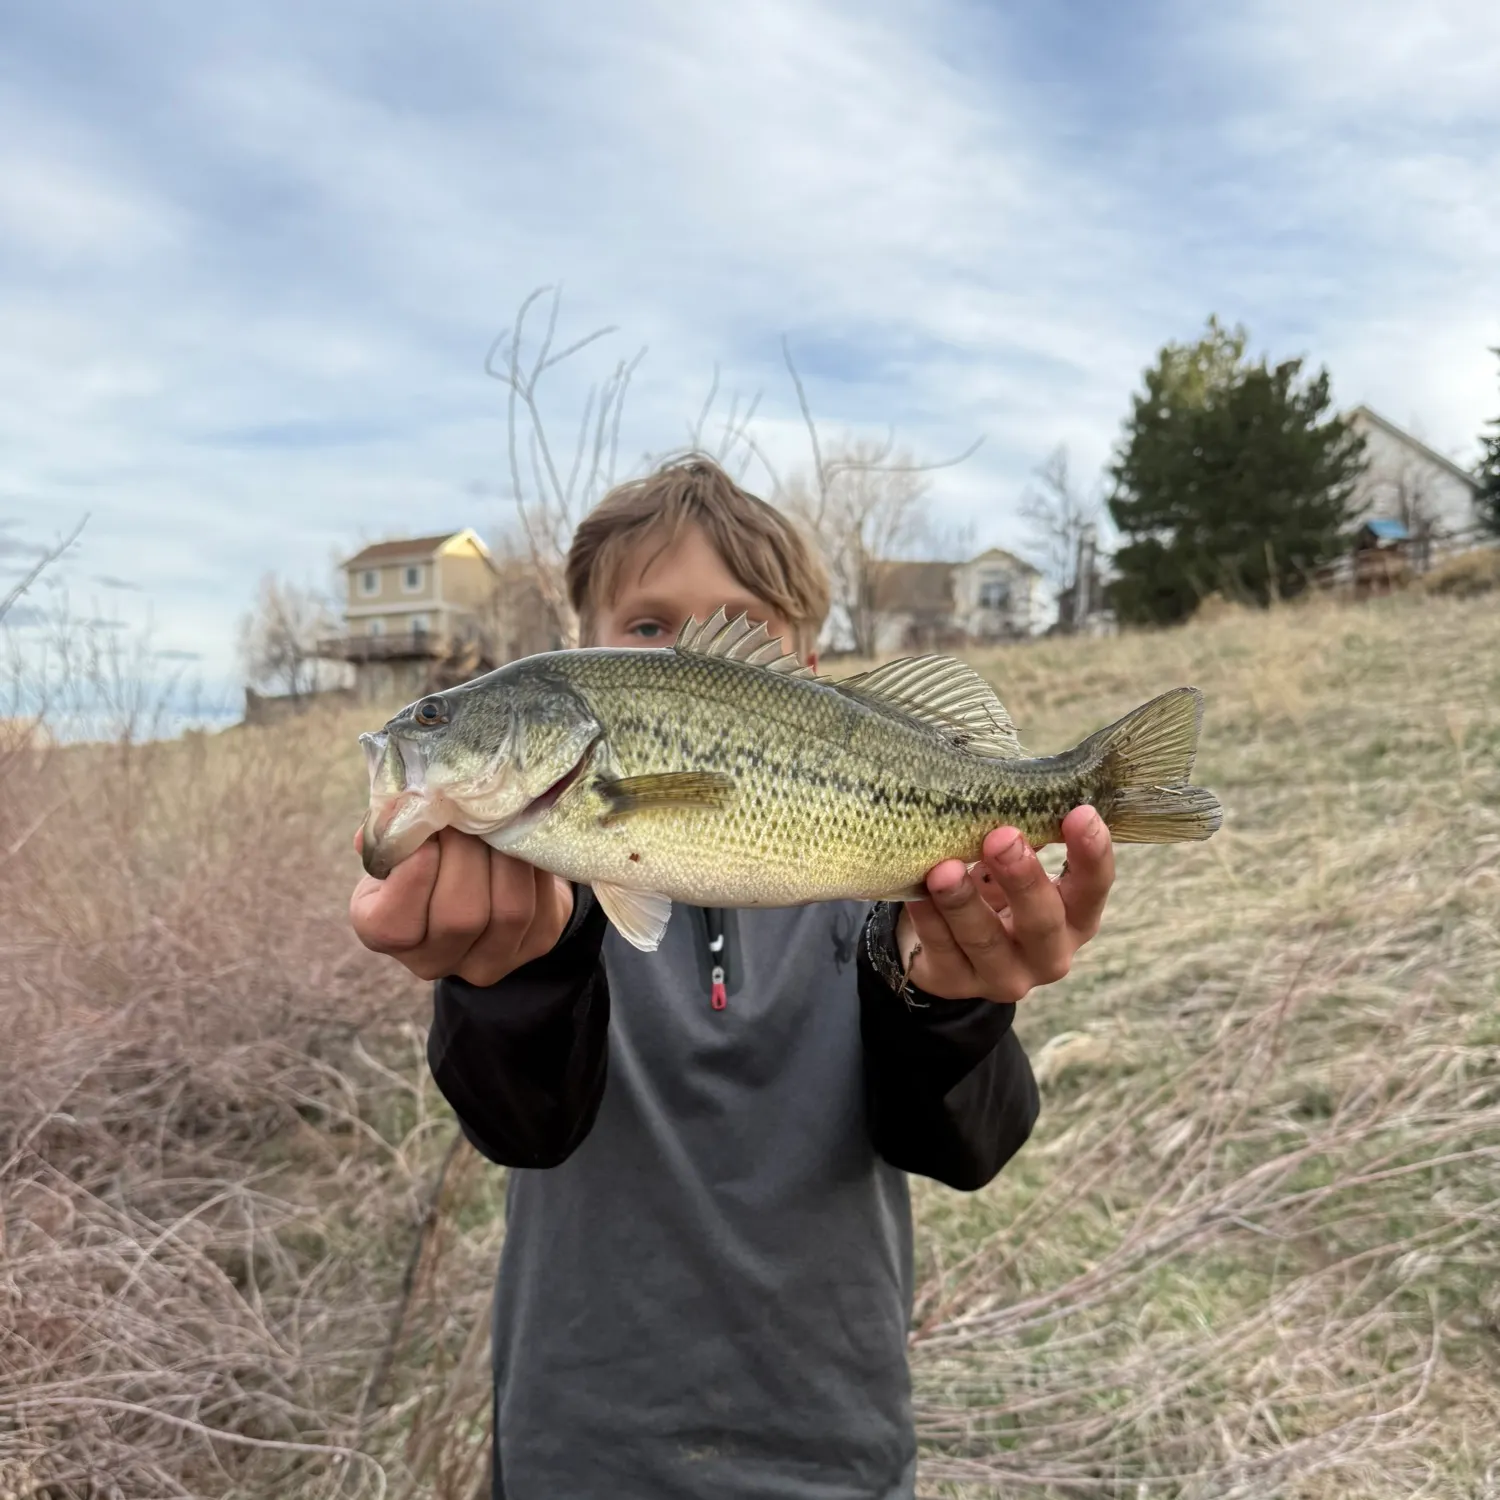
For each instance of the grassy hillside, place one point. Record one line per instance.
(1250, 1250)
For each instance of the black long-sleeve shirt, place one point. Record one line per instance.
(707, 1274)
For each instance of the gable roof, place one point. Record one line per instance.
(404, 548)
(1416, 444)
(999, 554)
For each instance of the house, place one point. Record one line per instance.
(912, 607)
(420, 612)
(939, 606)
(997, 596)
(1406, 481)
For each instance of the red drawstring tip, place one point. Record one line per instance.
(718, 997)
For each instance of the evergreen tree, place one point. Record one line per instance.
(1488, 501)
(1232, 476)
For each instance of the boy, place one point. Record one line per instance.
(707, 1275)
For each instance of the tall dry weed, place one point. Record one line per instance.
(211, 1172)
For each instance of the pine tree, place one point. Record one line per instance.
(1232, 477)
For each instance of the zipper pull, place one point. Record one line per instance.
(718, 996)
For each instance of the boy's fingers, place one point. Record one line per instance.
(460, 908)
(1038, 918)
(1085, 884)
(971, 921)
(936, 948)
(512, 893)
(390, 915)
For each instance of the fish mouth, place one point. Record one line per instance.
(505, 835)
(398, 825)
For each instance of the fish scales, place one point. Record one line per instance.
(833, 798)
(723, 773)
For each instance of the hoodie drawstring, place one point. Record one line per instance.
(718, 996)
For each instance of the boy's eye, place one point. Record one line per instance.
(648, 630)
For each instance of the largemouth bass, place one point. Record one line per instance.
(722, 772)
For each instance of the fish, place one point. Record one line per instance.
(723, 772)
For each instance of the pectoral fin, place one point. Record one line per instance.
(666, 790)
(639, 916)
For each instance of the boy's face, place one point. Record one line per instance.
(659, 590)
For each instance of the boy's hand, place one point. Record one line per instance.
(457, 906)
(1000, 932)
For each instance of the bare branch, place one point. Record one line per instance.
(549, 517)
(1062, 523)
(820, 474)
(48, 557)
(695, 432)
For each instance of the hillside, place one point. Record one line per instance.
(1249, 1251)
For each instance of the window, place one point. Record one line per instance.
(994, 592)
(376, 626)
(411, 578)
(369, 582)
(419, 625)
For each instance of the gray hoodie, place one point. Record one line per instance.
(707, 1274)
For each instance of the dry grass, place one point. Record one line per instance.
(1466, 575)
(217, 1138)
(1249, 1252)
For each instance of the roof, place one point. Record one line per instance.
(1430, 454)
(914, 586)
(999, 554)
(404, 547)
(1386, 531)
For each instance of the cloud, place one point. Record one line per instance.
(248, 270)
(22, 616)
(175, 655)
(109, 581)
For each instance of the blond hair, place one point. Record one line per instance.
(764, 550)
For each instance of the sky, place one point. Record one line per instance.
(252, 256)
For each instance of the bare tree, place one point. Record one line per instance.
(863, 503)
(552, 495)
(866, 506)
(866, 514)
(279, 638)
(1062, 523)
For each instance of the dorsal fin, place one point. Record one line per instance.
(736, 640)
(946, 694)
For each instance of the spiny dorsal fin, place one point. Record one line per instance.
(736, 640)
(946, 694)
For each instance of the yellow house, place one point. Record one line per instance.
(410, 605)
(433, 588)
(423, 611)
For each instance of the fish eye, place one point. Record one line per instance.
(430, 712)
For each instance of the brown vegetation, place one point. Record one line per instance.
(1249, 1251)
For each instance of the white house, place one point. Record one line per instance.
(1404, 480)
(932, 606)
(998, 595)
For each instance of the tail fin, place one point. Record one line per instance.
(1146, 759)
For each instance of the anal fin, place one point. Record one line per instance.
(640, 917)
